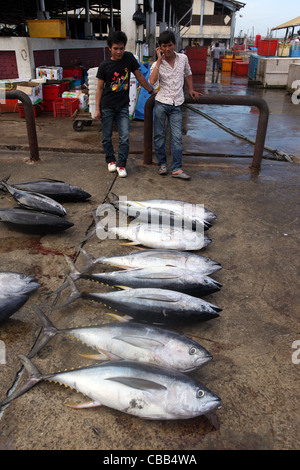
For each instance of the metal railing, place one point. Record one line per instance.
(30, 120)
(231, 100)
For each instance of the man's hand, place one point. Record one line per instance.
(97, 115)
(195, 94)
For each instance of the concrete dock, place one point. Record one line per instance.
(254, 342)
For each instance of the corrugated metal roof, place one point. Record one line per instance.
(27, 9)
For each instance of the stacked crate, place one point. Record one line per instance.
(197, 58)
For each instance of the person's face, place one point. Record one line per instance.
(167, 49)
(117, 51)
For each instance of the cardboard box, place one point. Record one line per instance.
(49, 72)
(83, 98)
(33, 90)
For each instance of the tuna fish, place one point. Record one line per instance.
(186, 211)
(156, 258)
(34, 221)
(163, 277)
(158, 236)
(17, 283)
(132, 341)
(35, 201)
(10, 304)
(15, 289)
(57, 190)
(143, 390)
(154, 306)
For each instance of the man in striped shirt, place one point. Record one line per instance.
(168, 74)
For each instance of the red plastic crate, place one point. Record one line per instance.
(267, 47)
(198, 67)
(9, 106)
(234, 62)
(65, 107)
(242, 68)
(37, 109)
(52, 92)
(75, 72)
(196, 53)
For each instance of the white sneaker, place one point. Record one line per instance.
(112, 167)
(121, 171)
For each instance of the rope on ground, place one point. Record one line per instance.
(236, 134)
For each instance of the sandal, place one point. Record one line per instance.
(163, 170)
(182, 175)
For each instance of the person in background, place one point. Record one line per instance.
(112, 99)
(169, 72)
(216, 56)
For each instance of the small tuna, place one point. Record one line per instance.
(55, 189)
(131, 341)
(34, 201)
(34, 221)
(158, 236)
(143, 390)
(154, 306)
(156, 258)
(10, 304)
(17, 283)
(163, 277)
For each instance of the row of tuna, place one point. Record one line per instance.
(39, 202)
(144, 373)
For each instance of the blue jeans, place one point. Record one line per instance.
(162, 112)
(121, 118)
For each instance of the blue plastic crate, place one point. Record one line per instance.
(252, 69)
(295, 53)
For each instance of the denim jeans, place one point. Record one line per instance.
(162, 112)
(121, 118)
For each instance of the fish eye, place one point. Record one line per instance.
(204, 308)
(200, 393)
(192, 350)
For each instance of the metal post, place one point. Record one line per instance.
(228, 100)
(30, 121)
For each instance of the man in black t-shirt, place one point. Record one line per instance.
(112, 99)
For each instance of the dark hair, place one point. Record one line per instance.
(116, 37)
(217, 44)
(165, 37)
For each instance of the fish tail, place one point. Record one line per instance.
(48, 331)
(90, 260)
(34, 377)
(75, 294)
(115, 198)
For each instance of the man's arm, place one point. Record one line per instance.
(99, 92)
(142, 80)
(189, 80)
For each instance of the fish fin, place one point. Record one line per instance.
(158, 275)
(140, 341)
(130, 243)
(48, 331)
(102, 356)
(34, 377)
(159, 297)
(123, 287)
(119, 317)
(89, 404)
(75, 294)
(137, 383)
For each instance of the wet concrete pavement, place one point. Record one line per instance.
(255, 367)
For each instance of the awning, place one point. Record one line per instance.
(289, 24)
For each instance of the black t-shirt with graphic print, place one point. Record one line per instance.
(116, 77)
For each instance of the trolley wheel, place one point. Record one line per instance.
(78, 125)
